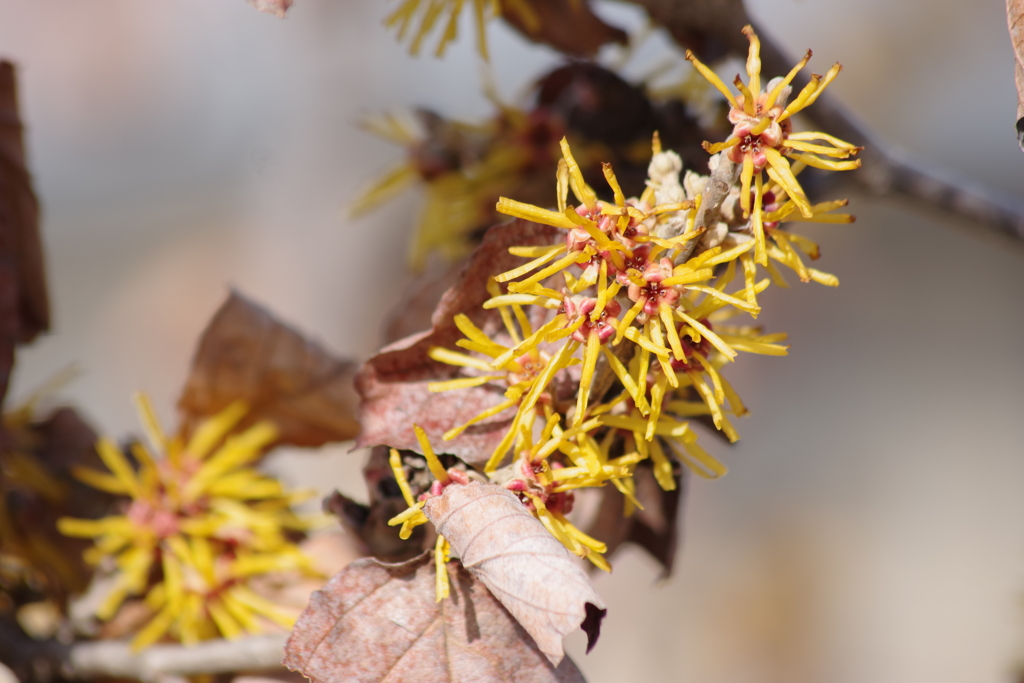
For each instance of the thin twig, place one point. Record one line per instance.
(716, 190)
(42, 660)
(117, 659)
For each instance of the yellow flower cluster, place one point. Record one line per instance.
(639, 270)
(668, 318)
(198, 523)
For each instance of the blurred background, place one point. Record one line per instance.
(872, 525)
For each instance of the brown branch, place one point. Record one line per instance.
(711, 28)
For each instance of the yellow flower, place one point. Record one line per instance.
(545, 488)
(762, 137)
(635, 428)
(414, 516)
(607, 230)
(781, 209)
(547, 470)
(601, 238)
(524, 369)
(705, 345)
(201, 521)
(686, 345)
(462, 169)
(617, 246)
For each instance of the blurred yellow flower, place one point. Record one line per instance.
(199, 521)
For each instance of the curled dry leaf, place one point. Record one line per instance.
(276, 7)
(393, 383)
(24, 306)
(377, 622)
(1015, 19)
(523, 565)
(569, 26)
(245, 353)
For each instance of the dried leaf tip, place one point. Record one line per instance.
(592, 624)
(1015, 21)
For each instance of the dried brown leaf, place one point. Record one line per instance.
(369, 524)
(393, 383)
(245, 353)
(415, 312)
(24, 306)
(522, 564)
(276, 7)
(566, 25)
(37, 487)
(1015, 19)
(377, 622)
